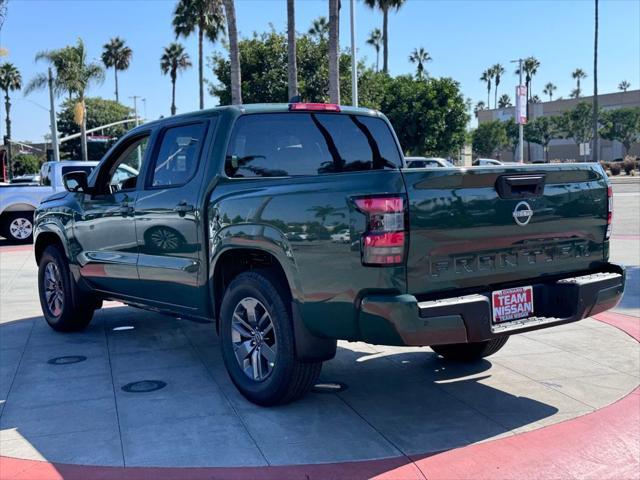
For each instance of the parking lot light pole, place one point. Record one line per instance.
(520, 125)
(354, 57)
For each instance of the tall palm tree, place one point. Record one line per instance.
(487, 77)
(498, 70)
(624, 86)
(204, 17)
(504, 101)
(116, 54)
(578, 74)
(75, 74)
(594, 119)
(10, 80)
(174, 60)
(334, 51)
(549, 88)
(385, 6)
(420, 56)
(319, 28)
(530, 67)
(375, 40)
(234, 52)
(291, 49)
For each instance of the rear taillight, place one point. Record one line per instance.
(384, 241)
(609, 211)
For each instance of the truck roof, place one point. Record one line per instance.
(250, 108)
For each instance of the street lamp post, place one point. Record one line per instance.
(520, 125)
(354, 57)
(54, 123)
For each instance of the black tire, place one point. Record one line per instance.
(17, 227)
(289, 378)
(75, 310)
(469, 352)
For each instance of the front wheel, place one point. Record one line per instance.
(257, 342)
(65, 307)
(469, 352)
(17, 227)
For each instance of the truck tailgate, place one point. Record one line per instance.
(493, 225)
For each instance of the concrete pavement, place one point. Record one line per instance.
(398, 402)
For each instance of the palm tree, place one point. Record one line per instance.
(116, 54)
(479, 106)
(549, 88)
(205, 17)
(234, 52)
(535, 99)
(375, 40)
(530, 67)
(624, 86)
(319, 28)
(174, 60)
(487, 76)
(498, 70)
(334, 53)
(74, 75)
(578, 74)
(420, 56)
(291, 49)
(385, 6)
(10, 80)
(504, 101)
(575, 93)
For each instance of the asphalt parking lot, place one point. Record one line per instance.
(62, 398)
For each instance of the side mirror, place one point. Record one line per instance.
(76, 181)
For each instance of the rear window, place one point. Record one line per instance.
(290, 144)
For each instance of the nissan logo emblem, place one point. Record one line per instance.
(522, 213)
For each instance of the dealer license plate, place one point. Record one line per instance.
(512, 304)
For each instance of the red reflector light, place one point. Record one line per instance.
(319, 107)
(394, 239)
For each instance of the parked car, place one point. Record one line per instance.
(484, 162)
(455, 259)
(33, 179)
(424, 162)
(343, 236)
(19, 200)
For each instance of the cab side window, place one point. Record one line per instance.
(177, 158)
(125, 170)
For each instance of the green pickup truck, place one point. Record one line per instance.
(295, 225)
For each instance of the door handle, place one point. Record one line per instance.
(184, 207)
(126, 210)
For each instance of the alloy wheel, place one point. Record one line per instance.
(254, 338)
(21, 228)
(53, 289)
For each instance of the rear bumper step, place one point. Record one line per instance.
(403, 320)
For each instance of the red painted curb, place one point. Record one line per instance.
(604, 444)
(15, 248)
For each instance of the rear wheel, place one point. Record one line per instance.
(65, 307)
(468, 352)
(17, 227)
(258, 342)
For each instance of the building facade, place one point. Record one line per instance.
(567, 149)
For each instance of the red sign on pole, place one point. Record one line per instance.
(521, 104)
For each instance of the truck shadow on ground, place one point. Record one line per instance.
(396, 402)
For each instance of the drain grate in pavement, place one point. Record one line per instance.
(329, 387)
(144, 386)
(67, 360)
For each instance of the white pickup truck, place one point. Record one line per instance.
(18, 201)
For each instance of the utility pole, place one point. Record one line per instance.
(144, 108)
(596, 148)
(135, 107)
(135, 112)
(354, 57)
(520, 125)
(55, 146)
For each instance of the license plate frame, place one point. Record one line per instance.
(512, 304)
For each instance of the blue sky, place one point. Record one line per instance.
(462, 36)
